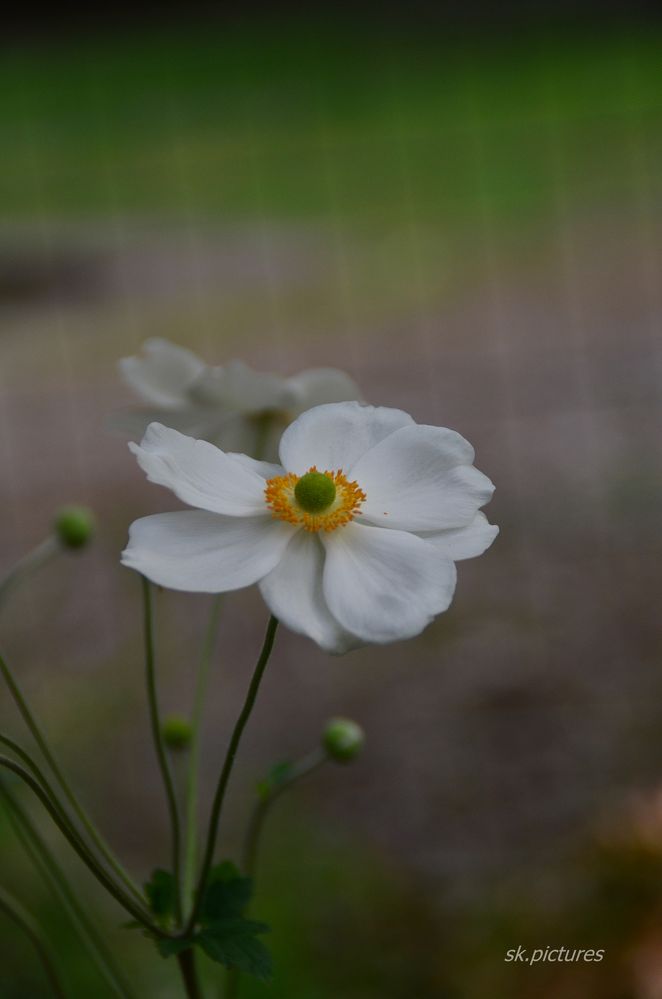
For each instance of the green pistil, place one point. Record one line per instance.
(315, 492)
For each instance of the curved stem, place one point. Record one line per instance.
(46, 864)
(90, 861)
(307, 765)
(194, 751)
(33, 560)
(302, 768)
(68, 791)
(186, 961)
(34, 767)
(15, 911)
(157, 736)
(224, 777)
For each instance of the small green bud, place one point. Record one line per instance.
(343, 740)
(74, 526)
(315, 492)
(177, 732)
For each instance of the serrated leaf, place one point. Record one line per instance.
(234, 943)
(227, 894)
(161, 893)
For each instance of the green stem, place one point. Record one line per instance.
(46, 864)
(88, 858)
(161, 755)
(224, 778)
(33, 560)
(68, 791)
(47, 789)
(15, 911)
(186, 961)
(199, 700)
(307, 765)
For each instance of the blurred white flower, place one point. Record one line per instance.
(233, 406)
(360, 552)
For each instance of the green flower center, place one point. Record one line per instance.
(315, 492)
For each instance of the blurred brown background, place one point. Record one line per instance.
(463, 213)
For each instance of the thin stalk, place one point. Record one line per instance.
(161, 755)
(68, 791)
(33, 560)
(83, 851)
(186, 961)
(192, 779)
(40, 776)
(307, 765)
(226, 771)
(15, 911)
(47, 865)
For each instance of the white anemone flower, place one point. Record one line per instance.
(232, 405)
(353, 537)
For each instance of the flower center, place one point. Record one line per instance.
(316, 501)
(315, 491)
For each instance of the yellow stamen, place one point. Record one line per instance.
(280, 497)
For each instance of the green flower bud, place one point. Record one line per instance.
(343, 740)
(74, 526)
(177, 732)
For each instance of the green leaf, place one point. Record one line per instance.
(161, 893)
(235, 944)
(227, 894)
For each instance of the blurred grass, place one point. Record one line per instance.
(306, 120)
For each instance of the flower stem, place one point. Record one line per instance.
(307, 765)
(186, 960)
(15, 911)
(194, 751)
(78, 809)
(226, 771)
(33, 560)
(83, 851)
(46, 864)
(157, 736)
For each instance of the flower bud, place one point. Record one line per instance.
(343, 740)
(177, 732)
(74, 526)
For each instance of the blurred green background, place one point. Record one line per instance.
(464, 213)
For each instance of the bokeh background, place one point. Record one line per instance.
(461, 209)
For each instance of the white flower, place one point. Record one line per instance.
(360, 552)
(233, 406)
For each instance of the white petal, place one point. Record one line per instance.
(335, 436)
(421, 479)
(384, 585)
(164, 374)
(465, 542)
(199, 473)
(293, 591)
(203, 552)
(266, 469)
(317, 386)
(238, 387)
